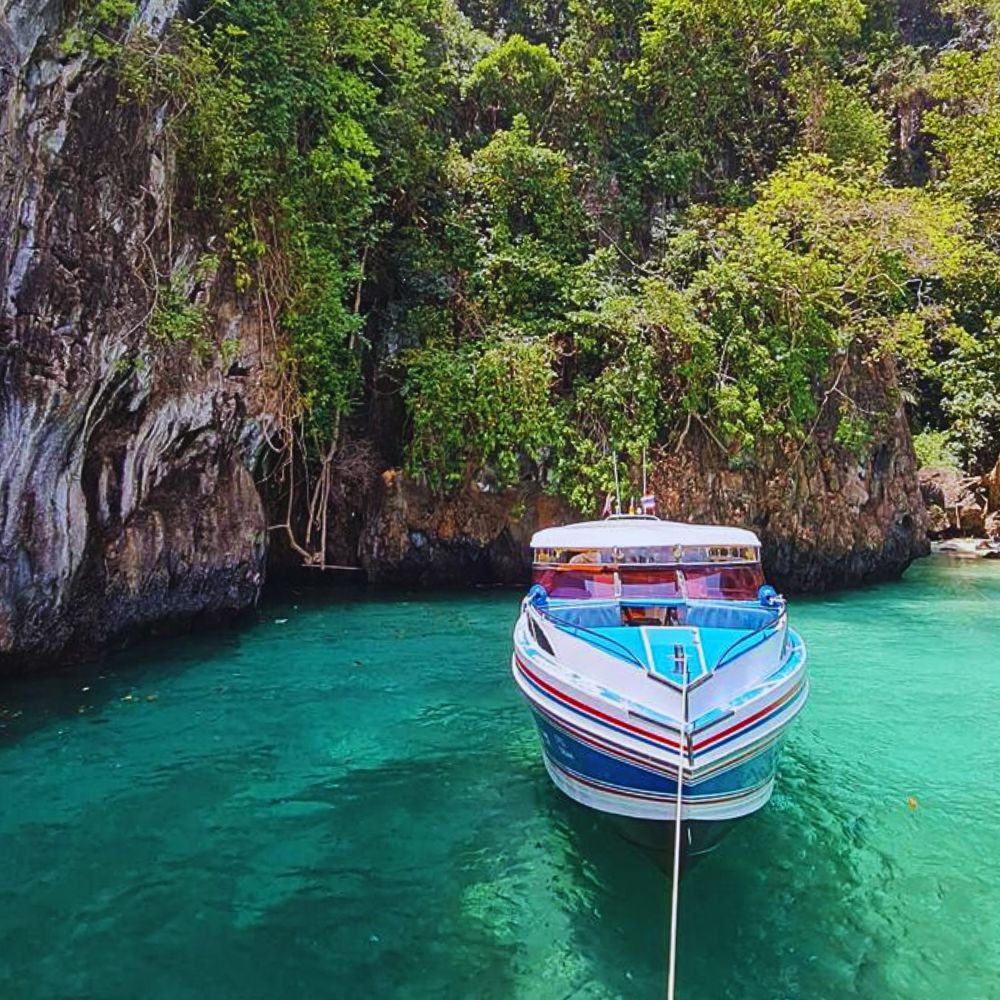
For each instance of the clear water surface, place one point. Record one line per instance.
(346, 800)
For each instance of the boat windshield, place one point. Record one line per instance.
(662, 583)
(713, 582)
(577, 584)
(723, 583)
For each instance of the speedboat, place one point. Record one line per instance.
(660, 670)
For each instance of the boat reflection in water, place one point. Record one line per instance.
(647, 648)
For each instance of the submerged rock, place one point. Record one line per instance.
(967, 548)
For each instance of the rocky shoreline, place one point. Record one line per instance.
(963, 511)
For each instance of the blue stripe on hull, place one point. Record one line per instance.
(569, 752)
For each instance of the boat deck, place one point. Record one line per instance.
(664, 648)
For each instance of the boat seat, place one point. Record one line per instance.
(745, 617)
(592, 614)
(608, 614)
(719, 629)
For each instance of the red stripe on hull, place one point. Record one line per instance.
(589, 710)
(645, 733)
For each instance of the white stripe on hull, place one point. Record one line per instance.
(627, 804)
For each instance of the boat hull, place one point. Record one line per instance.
(656, 837)
(661, 673)
(599, 778)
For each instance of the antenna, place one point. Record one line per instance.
(618, 489)
(644, 490)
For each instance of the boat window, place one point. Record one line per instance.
(577, 585)
(719, 554)
(652, 555)
(727, 583)
(578, 557)
(659, 583)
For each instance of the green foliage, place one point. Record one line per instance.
(838, 122)
(210, 131)
(741, 322)
(854, 432)
(965, 125)
(277, 103)
(716, 74)
(179, 315)
(535, 19)
(478, 410)
(824, 259)
(970, 379)
(575, 227)
(525, 192)
(935, 449)
(514, 78)
(97, 28)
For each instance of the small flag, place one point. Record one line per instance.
(607, 506)
(649, 504)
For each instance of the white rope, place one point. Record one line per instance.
(672, 973)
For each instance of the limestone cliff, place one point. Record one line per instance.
(125, 492)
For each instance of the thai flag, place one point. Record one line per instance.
(607, 506)
(648, 504)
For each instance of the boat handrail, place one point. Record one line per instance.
(774, 623)
(562, 623)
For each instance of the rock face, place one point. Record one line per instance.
(827, 516)
(960, 505)
(125, 492)
(472, 537)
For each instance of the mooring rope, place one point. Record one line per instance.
(672, 973)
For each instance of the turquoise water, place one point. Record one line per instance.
(346, 800)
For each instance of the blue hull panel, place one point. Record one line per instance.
(587, 763)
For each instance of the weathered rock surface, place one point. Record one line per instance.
(961, 506)
(125, 495)
(471, 537)
(827, 516)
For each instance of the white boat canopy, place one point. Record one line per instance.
(628, 532)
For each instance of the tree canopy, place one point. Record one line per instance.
(561, 229)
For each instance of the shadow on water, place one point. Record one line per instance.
(377, 881)
(294, 883)
(29, 702)
(353, 817)
(798, 896)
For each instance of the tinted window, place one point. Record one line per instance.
(658, 583)
(726, 583)
(579, 585)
